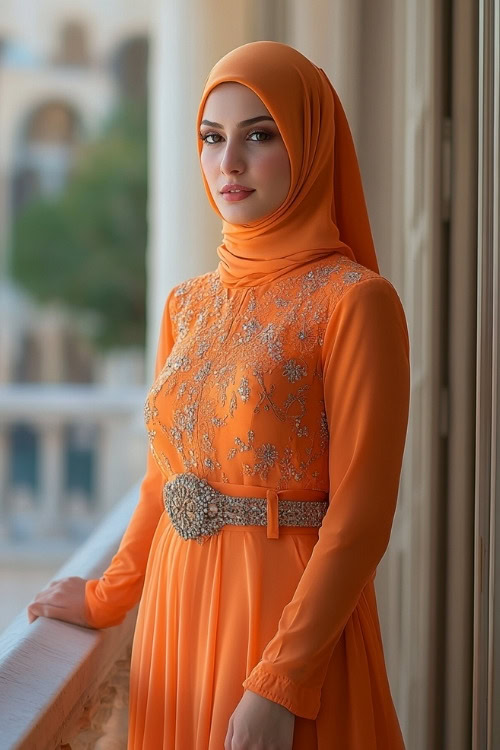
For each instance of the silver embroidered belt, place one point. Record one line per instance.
(197, 510)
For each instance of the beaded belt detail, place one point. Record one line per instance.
(198, 510)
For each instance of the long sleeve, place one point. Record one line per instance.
(109, 598)
(366, 375)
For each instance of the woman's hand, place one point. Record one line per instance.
(259, 723)
(62, 600)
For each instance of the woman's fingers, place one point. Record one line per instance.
(56, 596)
(63, 599)
(47, 610)
(43, 596)
(47, 597)
(47, 590)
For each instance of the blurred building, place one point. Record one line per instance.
(63, 68)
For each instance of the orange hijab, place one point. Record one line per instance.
(325, 209)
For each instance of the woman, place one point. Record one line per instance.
(277, 421)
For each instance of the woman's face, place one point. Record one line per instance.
(237, 152)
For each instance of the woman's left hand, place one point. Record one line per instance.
(258, 722)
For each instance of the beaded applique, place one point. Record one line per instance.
(241, 392)
(197, 510)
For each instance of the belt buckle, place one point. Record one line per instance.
(195, 508)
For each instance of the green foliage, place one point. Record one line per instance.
(86, 247)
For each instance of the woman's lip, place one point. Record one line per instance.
(234, 186)
(231, 197)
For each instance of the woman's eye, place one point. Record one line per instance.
(267, 136)
(261, 132)
(208, 135)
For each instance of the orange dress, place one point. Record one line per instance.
(297, 384)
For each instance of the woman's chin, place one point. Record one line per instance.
(238, 215)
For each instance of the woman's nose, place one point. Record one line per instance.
(232, 159)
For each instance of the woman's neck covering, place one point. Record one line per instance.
(325, 210)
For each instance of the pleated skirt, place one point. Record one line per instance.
(206, 614)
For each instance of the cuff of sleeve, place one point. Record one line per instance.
(100, 614)
(300, 700)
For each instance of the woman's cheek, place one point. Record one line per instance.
(274, 164)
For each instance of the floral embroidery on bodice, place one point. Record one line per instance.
(240, 396)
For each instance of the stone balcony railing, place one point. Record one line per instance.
(65, 686)
(113, 415)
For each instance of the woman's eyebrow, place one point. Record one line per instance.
(241, 124)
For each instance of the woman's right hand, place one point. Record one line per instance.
(63, 599)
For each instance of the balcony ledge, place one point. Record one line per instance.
(51, 671)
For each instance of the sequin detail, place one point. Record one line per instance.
(198, 511)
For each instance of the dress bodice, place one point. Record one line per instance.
(240, 398)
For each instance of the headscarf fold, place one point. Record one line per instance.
(325, 210)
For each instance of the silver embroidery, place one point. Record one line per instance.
(203, 347)
(351, 276)
(261, 346)
(245, 446)
(244, 390)
(294, 371)
(268, 455)
(271, 337)
(203, 371)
